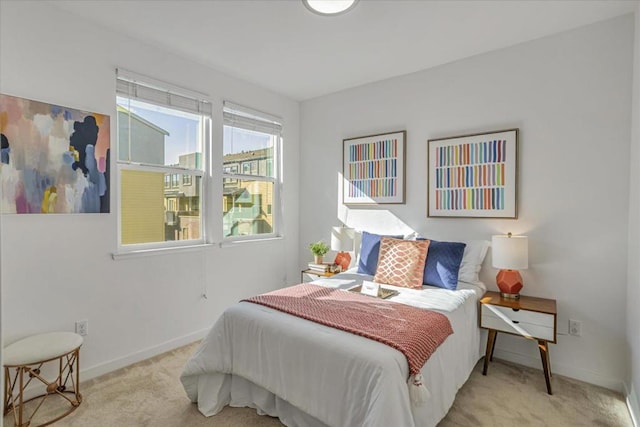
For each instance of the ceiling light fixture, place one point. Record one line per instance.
(329, 7)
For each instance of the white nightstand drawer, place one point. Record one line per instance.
(523, 316)
(519, 328)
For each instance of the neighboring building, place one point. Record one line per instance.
(147, 139)
(142, 217)
(248, 204)
(182, 201)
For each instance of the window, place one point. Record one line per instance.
(230, 170)
(163, 136)
(251, 176)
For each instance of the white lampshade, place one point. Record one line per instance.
(342, 239)
(510, 252)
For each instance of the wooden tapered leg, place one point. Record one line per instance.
(491, 339)
(544, 355)
(21, 397)
(549, 363)
(7, 390)
(493, 347)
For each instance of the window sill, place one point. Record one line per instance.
(231, 243)
(159, 251)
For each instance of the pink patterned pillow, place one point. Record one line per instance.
(401, 262)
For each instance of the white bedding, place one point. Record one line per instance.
(308, 374)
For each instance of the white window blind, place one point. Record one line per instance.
(246, 118)
(147, 89)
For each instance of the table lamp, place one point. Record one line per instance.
(342, 241)
(509, 253)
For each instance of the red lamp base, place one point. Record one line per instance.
(343, 259)
(509, 282)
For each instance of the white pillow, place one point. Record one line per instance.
(472, 259)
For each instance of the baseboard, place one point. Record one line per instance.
(633, 403)
(112, 365)
(570, 371)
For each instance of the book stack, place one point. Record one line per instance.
(320, 268)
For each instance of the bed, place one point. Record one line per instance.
(308, 374)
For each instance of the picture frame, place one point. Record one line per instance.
(473, 176)
(373, 169)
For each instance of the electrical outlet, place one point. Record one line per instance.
(575, 327)
(82, 327)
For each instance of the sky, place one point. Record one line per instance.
(238, 140)
(183, 129)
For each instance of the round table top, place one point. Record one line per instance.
(40, 348)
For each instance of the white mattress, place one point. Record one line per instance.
(308, 374)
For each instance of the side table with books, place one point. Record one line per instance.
(316, 271)
(313, 275)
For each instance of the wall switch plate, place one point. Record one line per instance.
(82, 327)
(575, 327)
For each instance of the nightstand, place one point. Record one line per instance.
(528, 317)
(314, 274)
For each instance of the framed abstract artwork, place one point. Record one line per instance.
(54, 159)
(373, 169)
(474, 176)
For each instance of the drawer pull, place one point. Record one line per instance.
(515, 309)
(515, 321)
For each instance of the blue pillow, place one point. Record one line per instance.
(443, 264)
(369, 251)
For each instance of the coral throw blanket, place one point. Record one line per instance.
(415, 332)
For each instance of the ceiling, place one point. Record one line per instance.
(280, 45)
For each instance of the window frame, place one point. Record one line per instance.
(231, 109)
(203, 173)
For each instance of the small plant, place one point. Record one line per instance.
(319, 248)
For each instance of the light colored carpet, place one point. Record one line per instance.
(149, 393)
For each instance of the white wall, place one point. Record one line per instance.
(569, 95)
(57, 269)
(633, 290)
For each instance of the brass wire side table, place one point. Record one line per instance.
(23, 361)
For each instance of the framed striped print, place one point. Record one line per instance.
(474, 176)
(373, 169)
